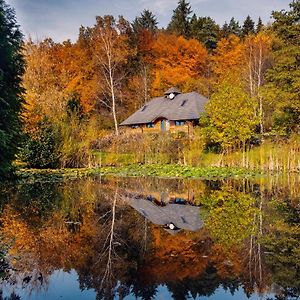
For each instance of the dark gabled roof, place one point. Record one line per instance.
(172, 90)
(183, 107)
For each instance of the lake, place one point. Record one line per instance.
(151, 238)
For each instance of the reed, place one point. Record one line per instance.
(281, 156)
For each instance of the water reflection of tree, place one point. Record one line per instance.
(13, 296)
(204, 285)
(235, 222)
(282, 244)
(107, 246)
(109, 252)
(53, 244)
(34, 202)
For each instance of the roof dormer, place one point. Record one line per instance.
(171, 93)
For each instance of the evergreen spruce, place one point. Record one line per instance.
(284, 78)
(11, 70)
(180, 22)
(147, 21)
(259, 25)
(248, 26)
(194, 20)
(225, 30)
(205, 30)
(234, 27)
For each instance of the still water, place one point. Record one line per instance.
(151, 238)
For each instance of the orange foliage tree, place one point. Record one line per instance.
(228, 58)
(53, 73)
(176, 62)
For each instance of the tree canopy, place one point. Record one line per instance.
(205, 30)
(231, 117)
(284, 77)
(116, 66)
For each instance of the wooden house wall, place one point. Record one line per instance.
(187, 127)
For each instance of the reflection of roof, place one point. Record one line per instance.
(183, 107)
(173, 90)
(183, 216)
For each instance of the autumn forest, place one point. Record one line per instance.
(91, 208)
(71, 96)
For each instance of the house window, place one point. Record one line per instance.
(150, 125)
(135, 126)
(179, 123)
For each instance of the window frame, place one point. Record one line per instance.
(179, 123)
(150, 125)
(135, 126)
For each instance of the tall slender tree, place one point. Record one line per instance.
(180, 22)
(144, 33)
(11, 71)
(259, 25)
(257, 60)
(112, 51)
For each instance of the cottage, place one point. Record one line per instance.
(174, 111)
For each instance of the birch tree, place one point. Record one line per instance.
(110, 41)
(257, 54)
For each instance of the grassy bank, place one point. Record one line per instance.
(165, 171)
(280, 156)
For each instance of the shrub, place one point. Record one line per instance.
(41, 149)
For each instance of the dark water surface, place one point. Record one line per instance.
(151, 239)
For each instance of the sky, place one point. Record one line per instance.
(61, 19)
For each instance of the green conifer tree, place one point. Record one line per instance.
(225, 30)
(11, 70)
(248, 26)
(147, 21)
(284, 78)
(205, 30)
(234, 27)
(180, 22)
(259, 25)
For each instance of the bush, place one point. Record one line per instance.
(41, 149)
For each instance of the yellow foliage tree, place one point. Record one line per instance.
(257, 58)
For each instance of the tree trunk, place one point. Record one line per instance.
(113, 98)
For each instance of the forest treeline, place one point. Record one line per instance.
(76, 93)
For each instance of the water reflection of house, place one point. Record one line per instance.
(185, 217)
(165, 197)
(172, 112)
